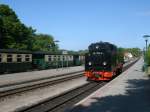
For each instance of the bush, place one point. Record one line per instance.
(148, 56)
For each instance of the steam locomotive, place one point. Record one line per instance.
(103, 61)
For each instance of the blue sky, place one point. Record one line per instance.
(77, 23)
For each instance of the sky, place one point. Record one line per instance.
(78, 23)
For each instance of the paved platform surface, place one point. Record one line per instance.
(129, 92)
(8, 79)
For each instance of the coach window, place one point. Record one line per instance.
(63, 58)
(19, 58)
(55, 58)
(49, 58)
(9, 58)
(27, 58)
(0, 58)
(58, 58)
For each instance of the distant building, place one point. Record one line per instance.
(127, 56)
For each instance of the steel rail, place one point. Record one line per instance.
(56, 101)
(40, 83)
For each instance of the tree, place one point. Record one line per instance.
(1, 32)
(121, 52)
(134, 51)
(44, 42)
(14, 34)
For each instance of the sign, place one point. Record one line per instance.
(64, 52)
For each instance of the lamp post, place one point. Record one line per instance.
(146, 40)
(145, 56)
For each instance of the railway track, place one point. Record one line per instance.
(56, 102)
(67, 99)
(11, 89)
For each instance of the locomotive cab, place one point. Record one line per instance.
(98, 61)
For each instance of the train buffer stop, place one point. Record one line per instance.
(129, 92)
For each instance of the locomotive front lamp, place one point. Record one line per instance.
(90, 63)
(104, 63)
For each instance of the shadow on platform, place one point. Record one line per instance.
(136, 99)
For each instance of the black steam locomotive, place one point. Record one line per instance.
(103, 61)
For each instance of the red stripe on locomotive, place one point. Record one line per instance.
(102, 75)
(98, 75)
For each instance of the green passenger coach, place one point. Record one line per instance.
(19, 61)
(15, 61)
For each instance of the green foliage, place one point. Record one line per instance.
(14, 34)
(44, 42)
(1, 31)
(120, 55)
(148, 56)
(136, 52)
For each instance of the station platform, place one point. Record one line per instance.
(8, 79)
(129, 92)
